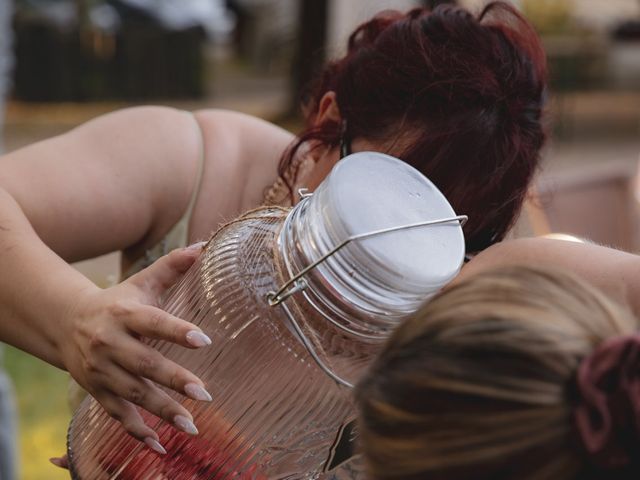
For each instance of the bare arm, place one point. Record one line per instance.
(106, 185)
(613, 271)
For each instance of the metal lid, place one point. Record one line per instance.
(371, 191)
(383, 274)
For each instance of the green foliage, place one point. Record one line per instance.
(549, 16)
(43, 414)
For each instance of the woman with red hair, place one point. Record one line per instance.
(458, 96)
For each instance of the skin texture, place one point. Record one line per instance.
(612, 271)
(120, 182)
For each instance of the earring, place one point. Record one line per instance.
(345, 144)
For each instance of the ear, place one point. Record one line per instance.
(328, 110)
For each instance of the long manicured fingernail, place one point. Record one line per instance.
(195, 391)
(154, 445)
(196, 246)
(58, 462)
(198, 339)
(184, 424)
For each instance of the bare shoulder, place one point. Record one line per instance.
(613, 271)
(546, 251)
(241, 154)
(154, 146)
(254, 141)
(133, 169)
(216, 119)
(163, 127)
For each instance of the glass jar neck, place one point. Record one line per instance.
(336, 289)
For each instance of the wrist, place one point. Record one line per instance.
(61, 333)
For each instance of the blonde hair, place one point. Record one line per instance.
(479, 383)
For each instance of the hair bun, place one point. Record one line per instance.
(607, 415)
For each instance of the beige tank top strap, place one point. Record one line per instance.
(178, 236)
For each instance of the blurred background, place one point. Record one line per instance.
(70, 60)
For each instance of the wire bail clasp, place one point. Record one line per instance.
(297, 283)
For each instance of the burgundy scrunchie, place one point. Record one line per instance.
(607, 415)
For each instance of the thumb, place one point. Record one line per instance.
(165, 271)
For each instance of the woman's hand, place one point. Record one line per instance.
(103, 351)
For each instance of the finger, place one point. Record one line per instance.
(131, 420)
(61, 462)
(125, 413)
(134, 390)
(165, 271)
(152, 322)
(141, 360)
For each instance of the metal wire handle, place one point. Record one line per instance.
(275, 298)
(298, 284)
(311, 349)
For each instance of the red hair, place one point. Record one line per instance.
(467, 91)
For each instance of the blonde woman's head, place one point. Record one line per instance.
(482, 382)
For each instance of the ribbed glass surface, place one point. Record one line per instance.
(274, 413)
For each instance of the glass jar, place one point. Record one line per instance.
(296, 308)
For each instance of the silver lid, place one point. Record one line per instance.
(388, 275)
